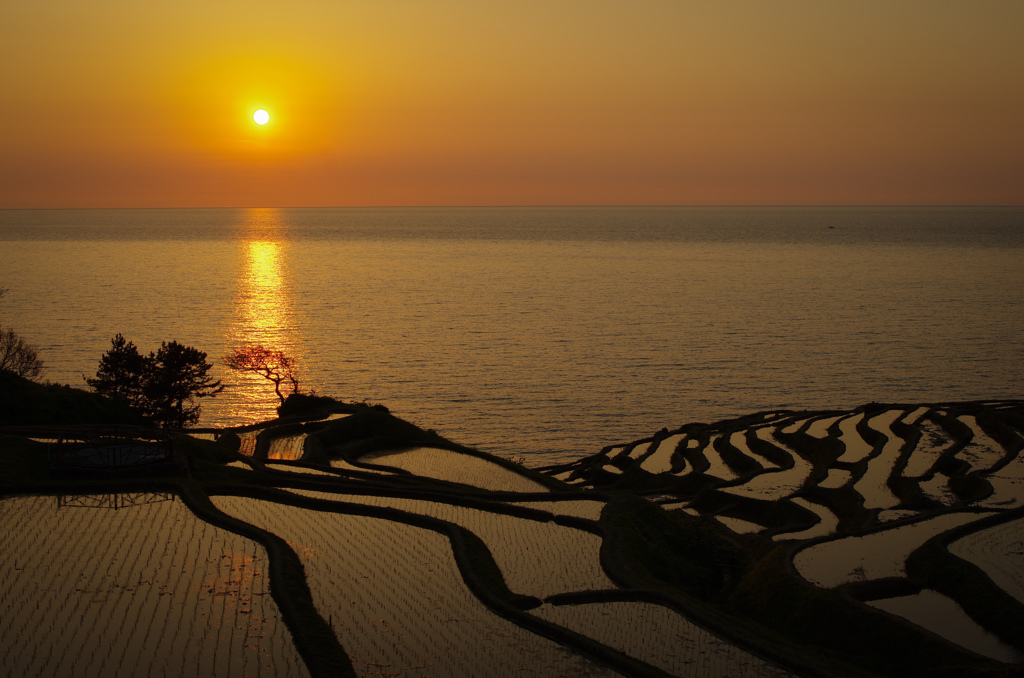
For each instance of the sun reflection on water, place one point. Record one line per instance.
(265, 308)
(264, 312)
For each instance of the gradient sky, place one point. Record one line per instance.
(120, 103)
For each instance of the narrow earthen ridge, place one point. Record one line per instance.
(478, 570)
(933, 566)
(312, 635)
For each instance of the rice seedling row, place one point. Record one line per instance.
(286, 448)
(536, 558)
(660, 637)
(146, 590)
(396, 600)
(588, 510)
(457, 467)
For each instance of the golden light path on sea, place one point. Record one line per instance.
(264, 310)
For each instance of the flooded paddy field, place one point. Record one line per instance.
(853, 497)
(395, 597)
(662, 638)
(102, 585)
(456, 467)
(881, 541)
(536, 557)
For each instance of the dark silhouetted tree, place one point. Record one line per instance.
(271, 364)
(17, 355)
(179, 374)
(162, 386)
(122, 374)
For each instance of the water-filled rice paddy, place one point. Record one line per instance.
(739, 526)
(395, 599)
(343, 465)
(398, 602)
(982, 452)
(291, 468)
(856, 448)
(588, 510)
(536, 558)
(660, 461)
(819, 427)
(928, 449)
(456, 467)
(660, 637)
(718, 468)
(878, 479)
(827, 522)
(1007, 485)
(999, 551)
(836, 478)
(872, 556)
(941, 615)
(873, 484)
(286, 448)
(144, 589)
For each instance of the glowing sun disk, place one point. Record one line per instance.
(261, 117)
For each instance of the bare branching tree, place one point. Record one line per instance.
(16, 355)
(271, 364)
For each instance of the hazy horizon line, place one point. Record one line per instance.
(555, 206)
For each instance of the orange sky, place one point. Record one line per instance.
(116, 103)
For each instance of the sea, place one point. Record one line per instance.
(544, 333)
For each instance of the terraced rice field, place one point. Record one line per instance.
(536, 558)
(872, 556)
(850, 497)
(660, 637)
(396, 600)
(941, 615)
(868, 486)
(455, 467)
(286, 448)
(999, 551)
(147, 589)
(588, 510)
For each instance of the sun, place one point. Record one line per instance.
(261, 117)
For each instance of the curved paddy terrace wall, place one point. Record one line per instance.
(537, 558)
(781, 543)
(456, 467)
(395, 596)
(854, 495)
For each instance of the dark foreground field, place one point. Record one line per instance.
(341, 540)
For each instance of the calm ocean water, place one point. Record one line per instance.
(542, 332)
